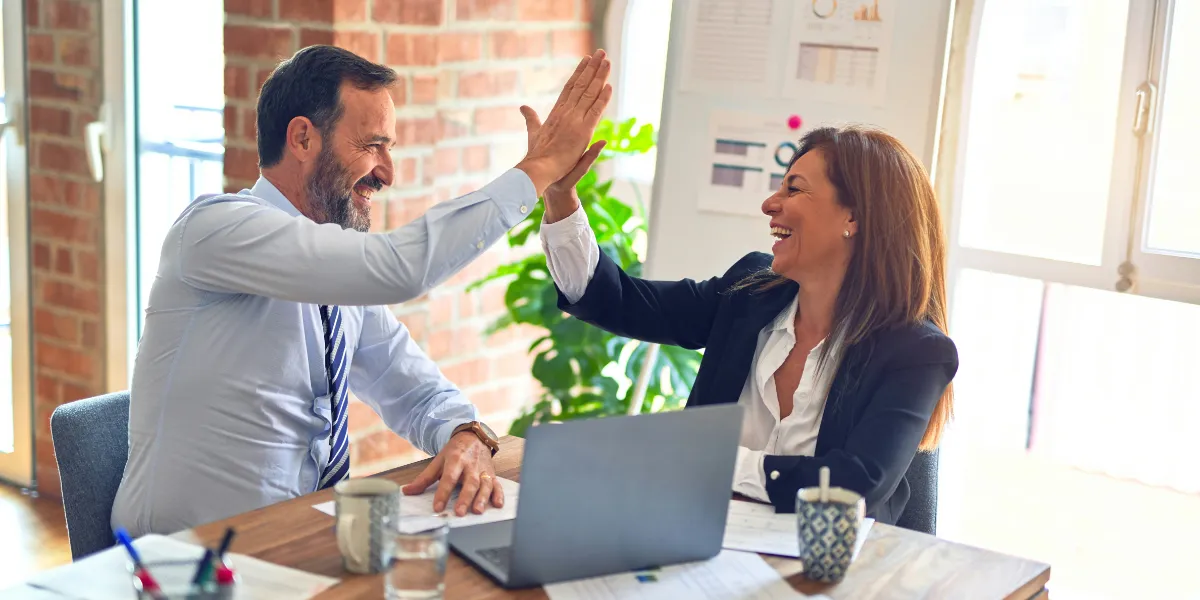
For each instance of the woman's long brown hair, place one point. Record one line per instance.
(897, 273)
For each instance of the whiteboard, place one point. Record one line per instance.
(756, 64)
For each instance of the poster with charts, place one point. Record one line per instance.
(727, 48)
(747, 158)
(839, 51)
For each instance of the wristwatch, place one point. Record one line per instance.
(482, 431)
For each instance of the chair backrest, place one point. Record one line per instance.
(920, 514)
(91, 445)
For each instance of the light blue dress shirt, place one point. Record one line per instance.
(229, 406)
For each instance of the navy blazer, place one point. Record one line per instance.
(879, 403)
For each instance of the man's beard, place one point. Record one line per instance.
(329, 193)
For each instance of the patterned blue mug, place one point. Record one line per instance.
(828, 531)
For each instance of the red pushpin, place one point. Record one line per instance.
(794, 122)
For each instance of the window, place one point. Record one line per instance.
(1074, 401)
(640, 41)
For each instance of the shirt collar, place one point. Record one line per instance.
(786, 319)
(266, 190)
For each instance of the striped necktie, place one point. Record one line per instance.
(336, 367)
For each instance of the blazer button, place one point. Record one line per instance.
(774, 475)
(479, 245)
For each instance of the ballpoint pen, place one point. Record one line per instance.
(149, 585)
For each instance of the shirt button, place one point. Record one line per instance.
(479, 245)
(774, 475)
(524, 209)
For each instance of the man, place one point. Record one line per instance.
(267, 305)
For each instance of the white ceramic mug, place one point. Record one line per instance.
(363, 507)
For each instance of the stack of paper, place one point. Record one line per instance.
(757, 528)
(417, 514)
(730, 575)
(105, 575)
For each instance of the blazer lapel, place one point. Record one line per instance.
(735, 353)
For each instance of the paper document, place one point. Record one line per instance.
(839, 51)
(745, 161)
(757, 528)
(727, 47)
(730, 575)
(105, 575)
(416, 512)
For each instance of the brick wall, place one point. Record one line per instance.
(465, 66)
(65, 214)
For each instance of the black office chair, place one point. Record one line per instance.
(920, 514)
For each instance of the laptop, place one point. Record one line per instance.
(612, 495)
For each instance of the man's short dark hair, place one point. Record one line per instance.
(308, 85)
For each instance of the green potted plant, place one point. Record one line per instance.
(586, 372)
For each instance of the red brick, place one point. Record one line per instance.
(87, 265)
(570, 42)
(483, 10)
(454, 123)
(427, 177)
(48, 390)
(493, 298)
(68, 295)
(542, 80)
(249, 123)
(406, 171)
(424, 89)
(260, 79)
(41, 49)
(53, 121)
(415, 324)
(41, 255)
(415, 132)
(399, 93)
(55, 325)
(495, 119)
(546, 10)
(60, 226)
(71, 14)
(241, 163)
(498, 399)
(33, 13)
(313, 37)
(230, 115)
(91, 337)
(457, 341)
(87, 196)
(72, 392)
(467, 373)
(468, 306)
(259, 42)
(53, 156)
(63, 264)
(349, 11)
(320, 11)
(475, 158)
(250, 8)
(360, 416)
(54, 86)
(363, 43)
(445, 161)
(409, 12)
(377, 215)
(379, 446)
(63, 360)
(460, 47)
(237, 82)
(408, 49)
(487, 84)
(441, 310)
(517, 44)
(512, 364)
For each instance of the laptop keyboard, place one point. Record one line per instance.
(497, 556)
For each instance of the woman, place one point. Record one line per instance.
(835, 343)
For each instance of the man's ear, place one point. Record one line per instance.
(303, 139)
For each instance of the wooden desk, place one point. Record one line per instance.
(895, 563)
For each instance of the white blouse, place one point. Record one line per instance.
(572, 255)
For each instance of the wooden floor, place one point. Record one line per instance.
(33, 535)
